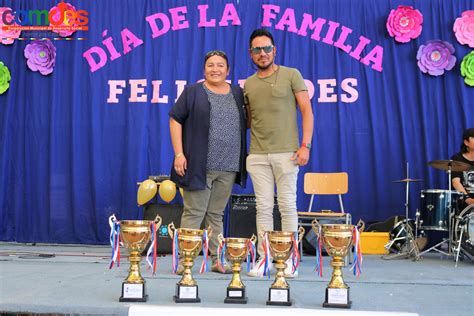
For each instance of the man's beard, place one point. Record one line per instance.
(265, 67)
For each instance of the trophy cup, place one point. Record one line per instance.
(189, 245)
(337, 239)
(135, 235)
(236, 251)
(281, 244)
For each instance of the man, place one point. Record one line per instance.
(272, 96)
(464, 181)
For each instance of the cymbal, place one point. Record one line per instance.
(446, 164)
(408, 180)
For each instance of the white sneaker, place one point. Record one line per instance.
(257, 269)
(288, 270)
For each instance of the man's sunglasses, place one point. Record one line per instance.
(267, 49)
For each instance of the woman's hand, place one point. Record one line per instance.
(180, 164)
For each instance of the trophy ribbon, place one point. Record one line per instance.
(266, 258)
(221, 255)
(152, 262)
(319, 250)
(114, 241)
(175, 251)
(250, 254)
(356, 267)
(205, 250)
(295, 255)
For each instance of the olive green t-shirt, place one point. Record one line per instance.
(272, 105)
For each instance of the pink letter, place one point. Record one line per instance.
(203, 17)
(342, 38)
(177, 18)
(151, 19)
(288, 19)
(360, 47)
(316, 26)
(128, 38)
(328, 39)
(242, 82)
(347, 86)
(136, 87)
(229, 14)
(92, 63)
(114, 90)
(310, 87)
(180, 84)
(326, 88)
(375, 56)
(156, 93)
(110, 46)
(268, 14)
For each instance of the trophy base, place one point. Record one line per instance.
(186, 294)
(337, 298)
(280, 297)
(235, 296)
(133, 292)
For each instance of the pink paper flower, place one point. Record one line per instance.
(63, 7)
(4, 78)
(404, 23)
(435, 57)
(41, 56)
(464, 28)
(7, 37)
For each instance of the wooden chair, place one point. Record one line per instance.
(325, 184)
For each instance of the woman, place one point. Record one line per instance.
(208, 132)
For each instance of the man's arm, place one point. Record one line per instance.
(460, 188)
(304, 104)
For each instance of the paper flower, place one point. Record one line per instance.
(41, 56)
(4, 78)
(7, 36)
(464, 28)
(404, 23)
(435, 57)
(62, 7)
(467, 69)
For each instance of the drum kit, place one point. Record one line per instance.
(440, 210)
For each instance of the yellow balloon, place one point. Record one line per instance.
(181, 191)
(146, 191)
(167, 190)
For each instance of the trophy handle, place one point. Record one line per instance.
(221, 239)
(171, 229)
(253, 239)
(316, 226)
(301, 232)
(209, 232)
(360, 225)
(261, 234)
(158, 220)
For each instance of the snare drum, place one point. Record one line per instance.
(434, 208)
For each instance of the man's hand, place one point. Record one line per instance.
(301, 156)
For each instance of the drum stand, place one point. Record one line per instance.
(450, 216)
(410, 247)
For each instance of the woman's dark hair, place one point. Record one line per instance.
(465, 136)
(260, 32)
(216, 53)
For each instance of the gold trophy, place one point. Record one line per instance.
(135, 235)
(281, 245)
(236, 251)
(337, 239)
(189, 246)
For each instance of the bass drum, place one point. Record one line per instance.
(464, 231)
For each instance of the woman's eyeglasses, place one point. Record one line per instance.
(215, 53)
(258, 49)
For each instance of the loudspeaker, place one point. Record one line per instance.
(169, 213)
(242, 216)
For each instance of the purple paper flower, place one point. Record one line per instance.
(7, 36)
(435, 57)
(41, 56)
(404, 23)
(4, 78)
(464, 28)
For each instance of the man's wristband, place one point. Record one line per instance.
(307, 145)
(178, 155)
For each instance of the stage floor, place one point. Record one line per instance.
(76, 280)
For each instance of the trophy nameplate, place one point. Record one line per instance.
(279, 297)
(133, 292)
(337, 298)
(186, 294)
(235, 296)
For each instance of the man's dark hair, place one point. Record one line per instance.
(465, 136)
(260, 32)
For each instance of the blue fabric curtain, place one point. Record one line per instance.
(69, 158)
